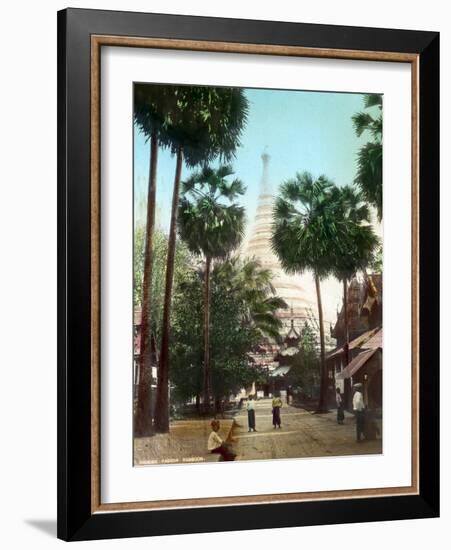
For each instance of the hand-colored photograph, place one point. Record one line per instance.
(257, 291)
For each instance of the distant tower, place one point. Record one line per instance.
(264, 183)
(259, 246)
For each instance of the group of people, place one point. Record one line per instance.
(364, 426)
(216, 445)
(276, 406)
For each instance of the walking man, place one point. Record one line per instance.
(358, 406)
(276, 406)
(340, 408)
(251, 413)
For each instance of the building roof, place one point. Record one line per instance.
(356, 364)
(292, 333)
(363, 296)
(289, 352)
(367, 340)
(375, 341)
(280, 371)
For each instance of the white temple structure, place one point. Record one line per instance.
(298, 291)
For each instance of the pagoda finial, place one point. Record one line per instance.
(264, 183)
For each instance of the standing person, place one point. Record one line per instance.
(358, 406)
(251, 413)
(340, 408)
(288, 396)
(276, 406)
(216, 444)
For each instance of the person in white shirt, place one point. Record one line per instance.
(216, 444)
(358, 406)
(251, 413)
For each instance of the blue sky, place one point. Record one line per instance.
(301, 130)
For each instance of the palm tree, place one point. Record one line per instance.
(212, 225)
(369, 160)
(356, 244)
(253, 284)
(304, 237)
(151, 118)
(207, 122)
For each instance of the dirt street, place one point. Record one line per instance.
(303, 434)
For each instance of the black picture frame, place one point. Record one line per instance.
(76, 521)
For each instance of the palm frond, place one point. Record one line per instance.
(371, 100)
(362, 122)
(207, 224)
(369, 174)
(369, 159)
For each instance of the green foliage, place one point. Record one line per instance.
(212, 225)
(159, 254)
(252, 284)
(322, 227)
(231, 339)
(233, 331)
(186, 348)
(305, 225)
(377, 262)
(206, 122)
(197, 124)
(304, 372)
(209, 221)
(138, 263)
(369, 159)
(356, 241)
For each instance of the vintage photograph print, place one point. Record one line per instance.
(257, 274)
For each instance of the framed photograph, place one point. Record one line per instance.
(248, 274)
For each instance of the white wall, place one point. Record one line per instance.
(28, 274)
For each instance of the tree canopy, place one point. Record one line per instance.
(369, 158)
(206, 122)
(252, 284)
(304, 226)
(183, 262)
(232, 335)
(210, 222)
(356, 241)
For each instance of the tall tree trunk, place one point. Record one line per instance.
(347, 392)
(143, 418)
(162, 400)
(217, 403)
(207, 371)
(322, 405)
(346, 321)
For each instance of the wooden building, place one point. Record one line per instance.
(365, 343)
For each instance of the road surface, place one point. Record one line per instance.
(303, 434)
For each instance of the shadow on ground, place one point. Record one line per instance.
(47, 526)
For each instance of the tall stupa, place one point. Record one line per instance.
(296, 290)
